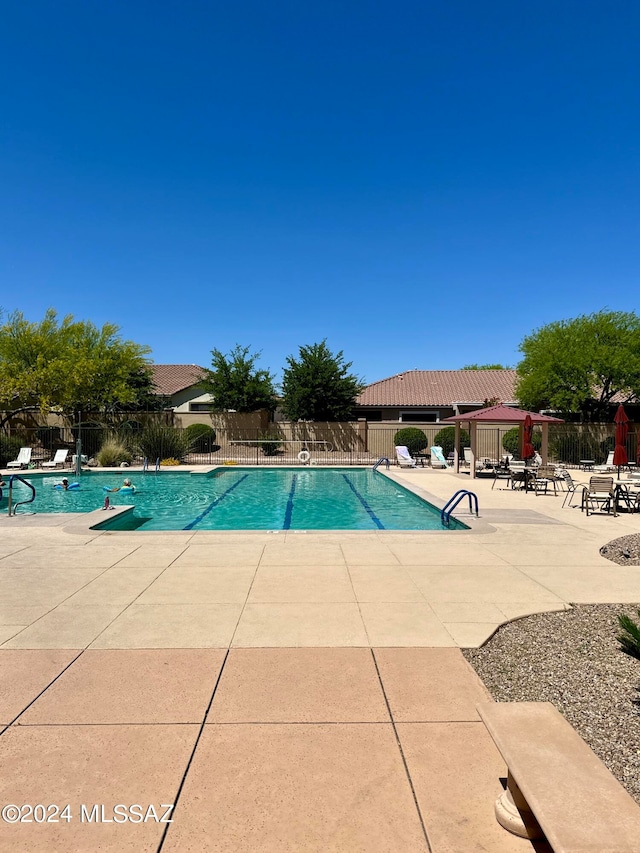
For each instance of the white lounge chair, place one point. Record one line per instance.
(24, 457)
(608, 465)
(468, 459)
(405, 459)
(60, 458)
(437, 458)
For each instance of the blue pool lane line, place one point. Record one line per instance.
(197, 520)
(289, 510)
(364, 503)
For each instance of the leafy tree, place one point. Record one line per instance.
(147, 398)
(68, 366)
(318, 386)
(486, 367)
(579, 365)
(236, 384)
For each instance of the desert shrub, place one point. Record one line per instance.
(201, 437)
(511, 441)
(630, 637)
(10, 447)
(162, 442)
(446, 439)
(270, 443)
(113, 452)
(169, 462)
(412, 438)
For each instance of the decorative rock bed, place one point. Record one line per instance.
(574, 660)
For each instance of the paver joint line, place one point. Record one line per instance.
(402, 756)
(44, 689)
(193, 751)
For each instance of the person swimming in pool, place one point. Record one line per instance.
(63, 485)
(126, 485)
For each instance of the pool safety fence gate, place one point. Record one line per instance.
(299, 443)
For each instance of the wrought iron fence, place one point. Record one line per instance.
(349, 445)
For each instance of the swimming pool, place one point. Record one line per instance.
(246, 499)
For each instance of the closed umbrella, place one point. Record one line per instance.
(527, 447)
(620, 451)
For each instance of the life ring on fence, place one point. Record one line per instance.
(304, 456)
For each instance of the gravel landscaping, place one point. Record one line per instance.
(624, 551)
(573, 660)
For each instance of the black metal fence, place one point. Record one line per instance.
(568, 443)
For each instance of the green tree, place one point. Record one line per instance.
(147, 398)
(68, 366)
(317, 386)
(579, 365)
(485, 367)
(236, 384)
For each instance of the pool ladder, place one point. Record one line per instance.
(380, 461)
(454, 500)
(19, 503)
(145, 465)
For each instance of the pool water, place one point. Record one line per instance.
(246, 499)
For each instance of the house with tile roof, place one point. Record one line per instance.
(182, 385)
(429, 396)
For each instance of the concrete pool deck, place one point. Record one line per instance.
(299, 691)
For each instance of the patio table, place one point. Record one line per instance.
(422, 457)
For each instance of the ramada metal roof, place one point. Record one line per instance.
(420, 388)
(171, 378)
(503, 414)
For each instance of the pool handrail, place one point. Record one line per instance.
(19, 503)
(380, 461)
(454, 500)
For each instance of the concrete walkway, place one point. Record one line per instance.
(298, 691)
(262, 750)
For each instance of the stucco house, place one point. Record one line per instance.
(182, 385)
(429, 396)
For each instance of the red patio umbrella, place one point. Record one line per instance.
(527, 447)
(620, 451)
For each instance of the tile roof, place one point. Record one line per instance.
(171, 378)
(440, 388)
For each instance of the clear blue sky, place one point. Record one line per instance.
(421, 183)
